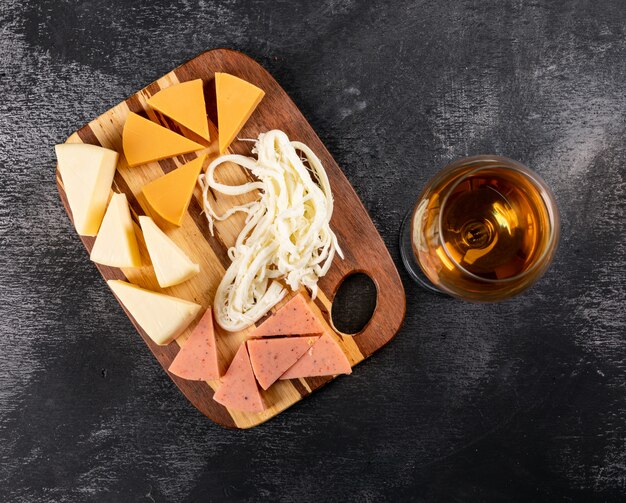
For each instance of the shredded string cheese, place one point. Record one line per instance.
(287, 234)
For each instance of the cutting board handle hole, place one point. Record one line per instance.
(354, 303)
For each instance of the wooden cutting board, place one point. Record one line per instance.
(362, 245)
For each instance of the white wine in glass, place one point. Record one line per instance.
(484, 229)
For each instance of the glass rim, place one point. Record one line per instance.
(547, 198)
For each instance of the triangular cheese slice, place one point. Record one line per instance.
(184, 103)
(197, 359)
(161, 316)
(294, 318)
(145, 141)
(236, 100)
(87, 173)
(171, 265)
(170, 194)
(271, 358)
(116, 243)
(324, 358)
(239, 390)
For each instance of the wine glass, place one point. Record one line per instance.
(484, 228)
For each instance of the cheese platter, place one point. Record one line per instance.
(224, 228)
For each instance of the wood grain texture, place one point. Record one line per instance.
(363, 248)
(519, 401)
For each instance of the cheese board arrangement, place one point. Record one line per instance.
(224, 228)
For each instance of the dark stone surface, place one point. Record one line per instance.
(523, 400)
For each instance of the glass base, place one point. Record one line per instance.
(408, 258)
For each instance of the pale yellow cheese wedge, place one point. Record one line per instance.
(87, 173)
(171, 265)
(145, 141)
(116, 243)
(170, 194)
(161, 316)
(184, 103)
(236, 100)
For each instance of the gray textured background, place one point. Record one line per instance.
(522, 400)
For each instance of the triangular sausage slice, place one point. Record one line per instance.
(294, 318)
(239, 390)
(270, 358)
(197, 359)
(324, 358)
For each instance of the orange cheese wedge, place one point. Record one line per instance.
(324, 358)
(197, 359)
(271, 358)
(170, 194)
(236, 100)
(294, 318)
(239, 390)
(145, 141)
(184, 103)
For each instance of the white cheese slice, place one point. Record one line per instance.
(116, 243)
(161, 316)
(171, 265)
(87, 173)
